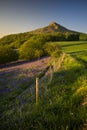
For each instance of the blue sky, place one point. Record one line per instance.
(25, 15)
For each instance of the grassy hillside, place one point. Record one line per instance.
(62, 100)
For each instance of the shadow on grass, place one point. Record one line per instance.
(80, 59)
(84, 52)
(69, 44)
(67, 77)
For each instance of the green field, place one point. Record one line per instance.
(74, 47)
(62, 101)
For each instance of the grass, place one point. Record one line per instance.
(62, 104)
(74, 47)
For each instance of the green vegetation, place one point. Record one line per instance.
(31, 46)
(83, 37)
(62, 104)
(32, 49)
(62, 87)
(15, 40)
(7, 54)
(72, 36)
(74, 47)
(53, 50)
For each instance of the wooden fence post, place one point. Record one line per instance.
(54, 66)
(51, 73)
(37, 90)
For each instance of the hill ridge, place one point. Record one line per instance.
(52, 27)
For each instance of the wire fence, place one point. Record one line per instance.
(34, 92)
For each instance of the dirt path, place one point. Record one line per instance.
(26, 65)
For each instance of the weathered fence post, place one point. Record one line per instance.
(37, 89)
(54, 66)
(51, 73)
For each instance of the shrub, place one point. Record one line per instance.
(32, 49)
(7, 54)
(52, 49)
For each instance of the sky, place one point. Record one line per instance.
(18, 16)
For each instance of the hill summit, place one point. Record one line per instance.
(52, 28)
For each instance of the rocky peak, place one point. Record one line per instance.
(53, 24)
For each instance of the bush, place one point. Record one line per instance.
(52, 49)
(32, 49)
(7, 54)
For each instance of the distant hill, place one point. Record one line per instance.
(53, 27)
(52, 32)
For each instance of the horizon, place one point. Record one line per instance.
(27, 15)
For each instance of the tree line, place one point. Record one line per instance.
(32, 46)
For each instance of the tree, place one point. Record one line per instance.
(32, 49)
(26, 52)
(72, 36)
(7, 54)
